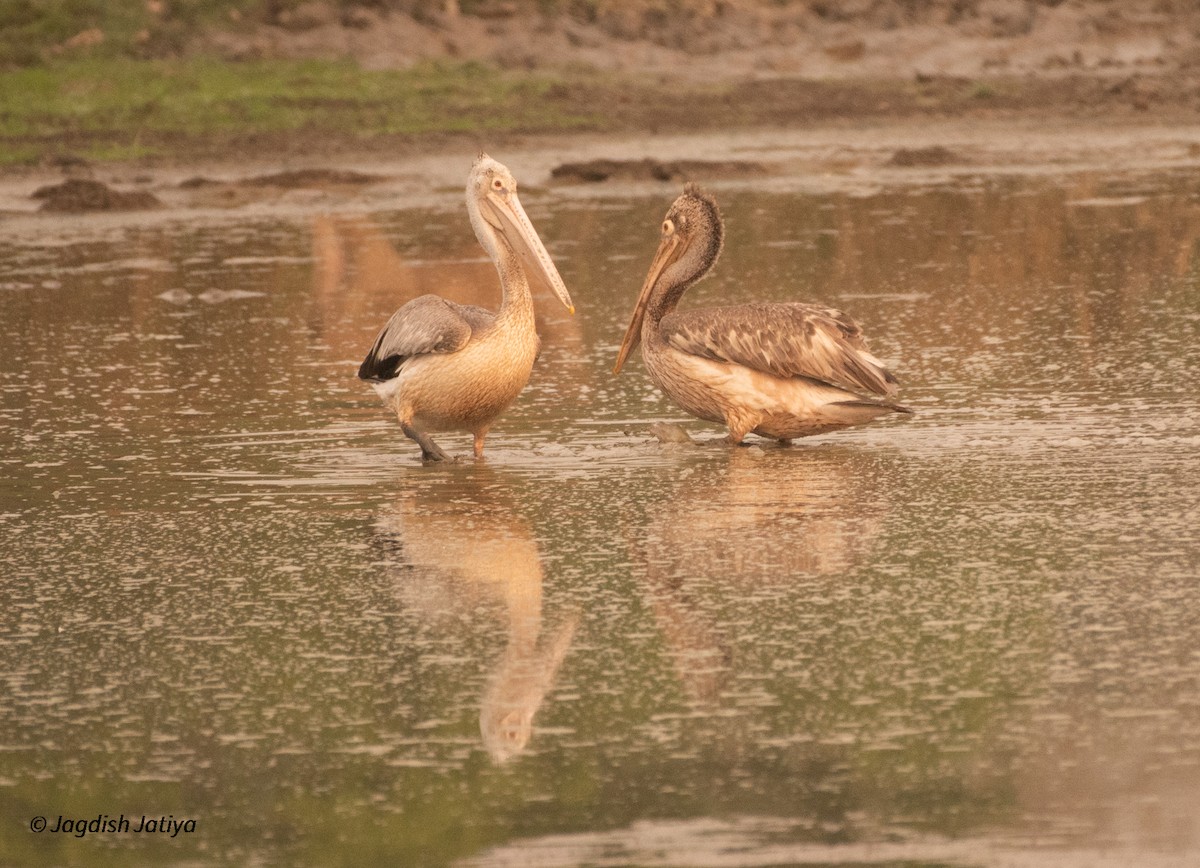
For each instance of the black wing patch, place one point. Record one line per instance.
(427, 324)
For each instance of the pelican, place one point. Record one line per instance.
(443, 366)
(778, 370)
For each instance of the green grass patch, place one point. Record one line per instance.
(103, 106)
(983, 90)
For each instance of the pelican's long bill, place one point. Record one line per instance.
(506, 214)
(668, 251)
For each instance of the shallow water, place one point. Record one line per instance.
(232, 594)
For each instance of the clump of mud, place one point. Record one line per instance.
(80, 195)
(595, 171)
(935, 155)
(208, 192)
(313, 178)
(291, 180)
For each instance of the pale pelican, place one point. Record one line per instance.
(780, 370)
(454, 551)
(443, 366)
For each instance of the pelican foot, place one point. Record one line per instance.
(430, 451)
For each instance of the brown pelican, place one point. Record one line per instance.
(780, 370)
(443, 366)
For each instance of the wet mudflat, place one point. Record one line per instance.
(233, 594)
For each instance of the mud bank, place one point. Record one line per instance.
(858, 157)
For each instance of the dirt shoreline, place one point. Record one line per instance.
(701, 40)
(856, 158)
(629, 109)
(970, 85)
(709, 67)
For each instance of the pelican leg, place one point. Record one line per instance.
(430, 451)
(479, 435)
(739, 426)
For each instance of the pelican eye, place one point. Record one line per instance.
(668, 227)
(497, 184)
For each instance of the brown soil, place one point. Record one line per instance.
(648, 105)
(746, 63)
(712, 67)
(706, 40)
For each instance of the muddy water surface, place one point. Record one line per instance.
(232, 594)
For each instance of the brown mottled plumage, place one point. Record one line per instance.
(443, 366)
(780, 370)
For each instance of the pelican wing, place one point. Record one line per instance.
(427, 324)
(787, 340)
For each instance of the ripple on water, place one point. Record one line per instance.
(962, 637)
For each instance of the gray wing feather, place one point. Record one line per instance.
(787, 340)
(427, 324)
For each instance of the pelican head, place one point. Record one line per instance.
(692, 236)
(502, 226)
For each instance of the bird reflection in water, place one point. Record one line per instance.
(456, 546)
(756, 522)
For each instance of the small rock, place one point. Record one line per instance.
(669, 432)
